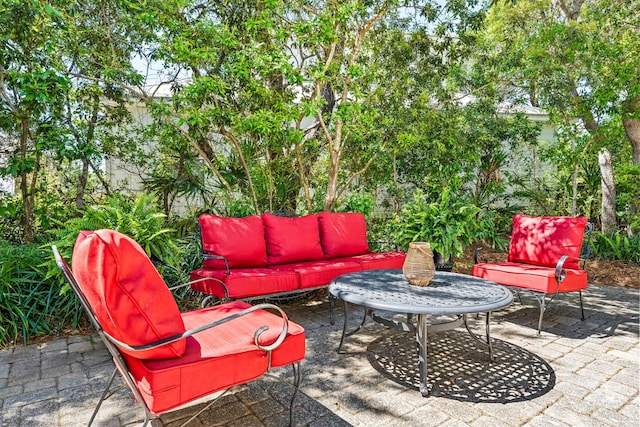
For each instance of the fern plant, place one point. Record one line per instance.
(448, 223)
(137, 218)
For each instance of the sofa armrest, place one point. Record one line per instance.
(204, 279)
(269, 347)
(209, 256)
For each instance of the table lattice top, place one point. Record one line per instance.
(447, 293)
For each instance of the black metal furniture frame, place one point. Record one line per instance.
(448, 294)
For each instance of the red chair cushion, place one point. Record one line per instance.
(343, 234)
(292, 239)
(239, 240)
(126, 293)
(532, 277)
(379, 260)
(543, 240)
(215, 359)
(318, 273)
(245, 282)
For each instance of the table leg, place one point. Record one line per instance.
(488, 329)
(421, 337)
(487, 336)
(344, 327)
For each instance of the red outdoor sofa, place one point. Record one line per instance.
(270, 255)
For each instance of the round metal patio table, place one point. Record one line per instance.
(447, 294)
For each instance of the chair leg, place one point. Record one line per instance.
(331, 304)
(297, 377)
(543, 306)
(581, 306)
(205, 301)
(103, 397)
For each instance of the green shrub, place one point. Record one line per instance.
(11, 228)
(362, 203)
(137, 218)
(34, 297)
(30, 303)
(616, 246)
(448, 222)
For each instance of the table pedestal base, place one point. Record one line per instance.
(421, 331)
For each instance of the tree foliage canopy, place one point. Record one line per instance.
(298, 104)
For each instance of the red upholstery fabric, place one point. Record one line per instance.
(126, 293)
(318, 273)
(378, 260)
(245, 282)
(342, 234)
(533, 277)
(239, 240)
(543, 240)
(215, 359)
(292, 239)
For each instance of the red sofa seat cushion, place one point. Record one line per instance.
(239, 240)
(318, 273)
(532, 277)
(292, 239)
(543, 240)
(343, 234)
(215, 359)
(378, 260)
(245, 282)
(126, 293)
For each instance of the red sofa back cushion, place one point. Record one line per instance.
(126, 293)
(292, 239)
(543, 240)
(343, 234)
(239, 240)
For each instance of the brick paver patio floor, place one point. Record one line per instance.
(576, 373)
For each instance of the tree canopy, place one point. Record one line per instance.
(300, 105)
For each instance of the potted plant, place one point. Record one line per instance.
(448, 223)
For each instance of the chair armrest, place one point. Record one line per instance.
(204, 279)
(209, 256)
(560, 273)
(475, 254)
(190, 332)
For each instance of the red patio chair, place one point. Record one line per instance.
(171, 360)
(544, 258)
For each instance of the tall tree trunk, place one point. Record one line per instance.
(631, 123)
(332, 185)
(245, 166)
(608, 214)
(82, 184)
(27, 204)
(303, 178)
